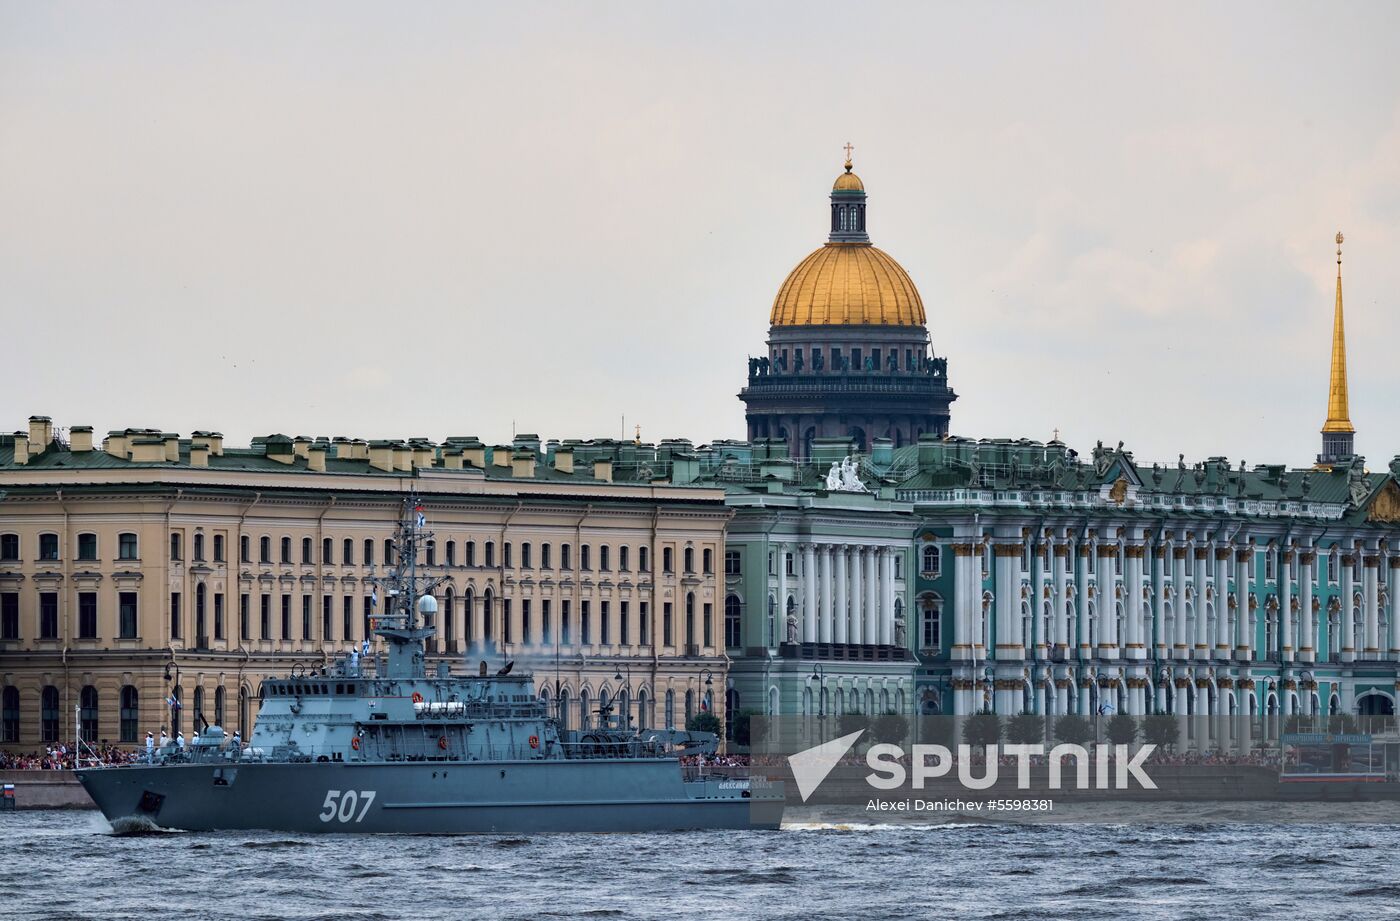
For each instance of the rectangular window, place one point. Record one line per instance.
(525, 619)
(126, 547)
(265, 617)
(218, 615)
(244, 626)
(604, 631)
(9, 616)
(175, 615)
(544, 556)
(126, 615)
(176, 546)
(623, 633)
(733, 565)
(666, 562)
(286, 632)
(585, 623)
(347, 552)
(306, 617)
(666, 619)
(347, 618)
(87, 615)
(643, 623)
(855, 359)
(369, 616)
(709, 624)
(48, 615)
(87, 547)
(546, 631)
(327, 618)
(48, 547)
(524, 556)
(1271, 565)
(9, 547)
(506, 632)
(218, 548)
(244, 553)
(707, 561)
(643, 559)
(564, 613)
(789, 564)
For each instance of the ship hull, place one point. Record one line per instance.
(431, 797)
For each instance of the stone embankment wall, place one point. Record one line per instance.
(47, 790)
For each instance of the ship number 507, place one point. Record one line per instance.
(343, 807)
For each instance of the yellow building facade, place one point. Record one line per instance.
(155, 568)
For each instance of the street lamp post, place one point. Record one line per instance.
(173, 702)
(627, 699)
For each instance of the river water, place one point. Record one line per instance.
(61, 865)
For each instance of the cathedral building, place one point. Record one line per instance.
(848, 347)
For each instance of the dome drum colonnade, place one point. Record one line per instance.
(848, 352)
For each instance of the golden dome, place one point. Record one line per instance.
(848, 284)
(848, 181)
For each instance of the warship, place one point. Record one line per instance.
(385, 743)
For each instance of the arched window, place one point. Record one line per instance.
(306, 547)
(87, 713)
(198, 708)
(286, 554)
(731, 621)
(201, 633)
(564, 714)
(219, 706)
(585, 719)
(643, 710)
(449, 618)
(48, 714)
(689, 559)
(689, 623)
(9, 714)
(689, 706)
(244, 726)
(488, 614)
(930, 561)
(130, 713)
(468, 616)
(670, 711)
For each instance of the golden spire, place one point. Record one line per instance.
(1338, 415)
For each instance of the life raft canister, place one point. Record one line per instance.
(417, 698)
(534, 741)
(442, 742)
(355, 743)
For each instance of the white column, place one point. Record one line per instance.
(1081, 606)
(1370, 574)
(1222, 601)
(1178, 589)
(1107, 603)
(809, 593)
(840, 617)
(1038, 642)
(887, 597)
(1160, 641)
(1007, 560)
(1244, 631)
(858, 614)
(962, 598)
(824, 592)
(1285, 607)
(853, 597)
(1136, 649)
(1202, 639)
(1347, 612)
(1394, 602)
(1307, 632)
(1058, 604)
(872, 600)
(780, 628)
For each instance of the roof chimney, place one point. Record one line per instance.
(80, 439)
(116, 445)
(602, 470)
(148, 450)
(452, 459)
(500, 456)
(564, 460)
(301, 445)
(199, 455)
(522, 464)
(21, 448)
(40, 434)
(316, 458)
(474, 453)
(381, 455)
(172, 445)
(424, 453)
(403, 457)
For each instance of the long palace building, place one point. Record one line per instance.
(153, 568)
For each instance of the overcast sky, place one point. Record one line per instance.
(393, 220)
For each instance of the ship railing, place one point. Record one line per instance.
(723, 771)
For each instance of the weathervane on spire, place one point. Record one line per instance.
(1339, 250)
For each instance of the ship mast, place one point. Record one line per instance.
(406, 595)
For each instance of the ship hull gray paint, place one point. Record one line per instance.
(432, 797)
